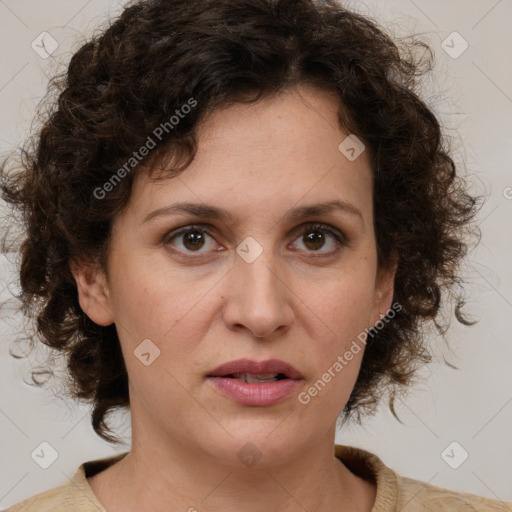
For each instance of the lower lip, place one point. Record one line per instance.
(255, 394)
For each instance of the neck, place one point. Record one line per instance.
(184, 478)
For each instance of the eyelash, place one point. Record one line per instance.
(324, 228)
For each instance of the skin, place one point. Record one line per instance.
(204, 305)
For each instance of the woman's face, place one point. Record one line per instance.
(251, 286)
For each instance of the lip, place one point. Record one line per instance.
(256, 367)
(256, 394)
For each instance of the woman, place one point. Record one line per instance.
(238, 217)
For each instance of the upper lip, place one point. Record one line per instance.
(256, 367)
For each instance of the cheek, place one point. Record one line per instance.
(343, 305)
(339, 315)
(149, 302)
(170, 309)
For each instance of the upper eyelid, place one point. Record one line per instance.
(210, 228)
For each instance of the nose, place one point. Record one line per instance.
(258, 297)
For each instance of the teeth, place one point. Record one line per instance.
(261, 377)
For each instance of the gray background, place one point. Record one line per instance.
(472, 95)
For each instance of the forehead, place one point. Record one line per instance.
(283, 149)
(286, 126)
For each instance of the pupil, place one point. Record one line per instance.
(315, 237)
(193, 239)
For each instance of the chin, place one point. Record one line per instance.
(264, 443)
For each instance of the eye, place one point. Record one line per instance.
(316, 236)
(191, 238)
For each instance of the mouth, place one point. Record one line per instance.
(251, 371)
(253, 383)
(257, 378)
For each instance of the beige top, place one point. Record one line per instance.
(394, 493)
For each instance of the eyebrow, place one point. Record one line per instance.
(202, 210)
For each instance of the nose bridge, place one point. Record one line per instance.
(258, 298)
(259, 277)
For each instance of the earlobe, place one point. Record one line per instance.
(93, 292)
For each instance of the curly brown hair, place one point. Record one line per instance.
(133, 75)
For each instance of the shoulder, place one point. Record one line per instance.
(58, 499)
(417, 496)
(75, 495)
(398, 493)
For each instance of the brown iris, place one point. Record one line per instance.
(316, 238)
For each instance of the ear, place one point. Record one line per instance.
(384, 290)
(93, 293)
